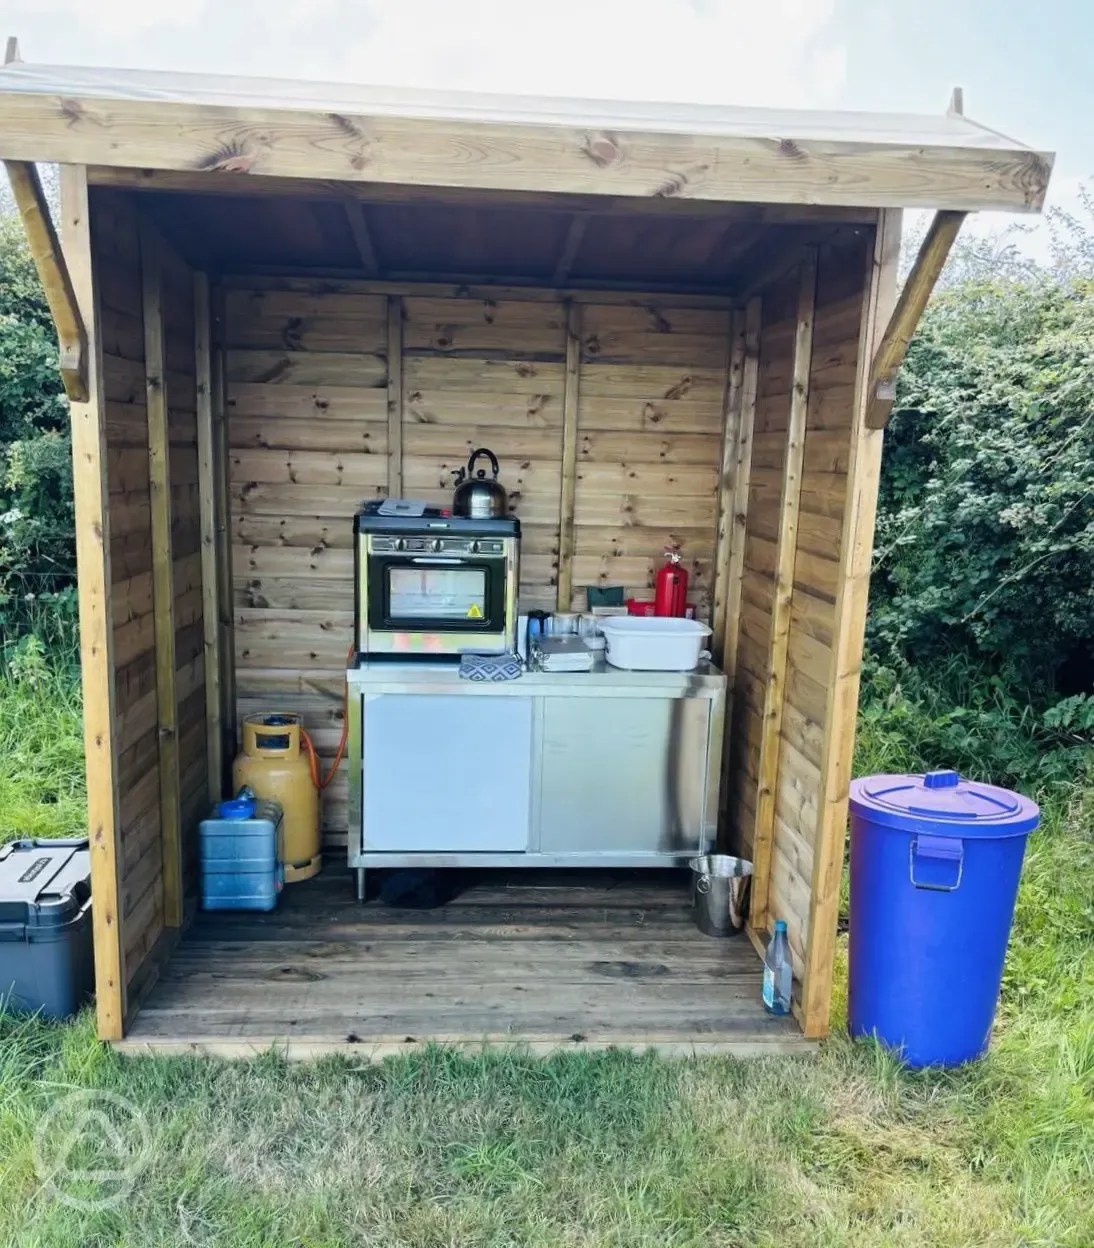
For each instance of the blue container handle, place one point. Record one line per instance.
(925, 848)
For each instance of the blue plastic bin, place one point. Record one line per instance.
(240, 849)
(935, 862)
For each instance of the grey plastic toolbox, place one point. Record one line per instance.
(47, 962)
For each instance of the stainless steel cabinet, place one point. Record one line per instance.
(623, 775)
(447, 773)
(606, 768)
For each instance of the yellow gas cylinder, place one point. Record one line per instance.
(272, 764)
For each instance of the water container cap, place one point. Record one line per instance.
(942, 798)
(241, 807)
(780, 925)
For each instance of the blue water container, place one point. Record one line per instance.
(240, 848)
(935, 862)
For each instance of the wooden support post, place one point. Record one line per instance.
(91, 493)
(571, 397)
(223, 542)
(30, 199)
(856, 551)
(775, 693)
(742, 481)
(748, 354)
(394, 396)
(163, 579)
(207, 510)
(575, 236)
(893, 347)
(731, 424)
(735, 479)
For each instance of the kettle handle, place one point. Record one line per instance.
(490, 455)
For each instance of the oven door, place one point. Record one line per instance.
(436, 594)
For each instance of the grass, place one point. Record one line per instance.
(593, 1149)
(41, 750)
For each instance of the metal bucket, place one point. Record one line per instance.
(720, 887)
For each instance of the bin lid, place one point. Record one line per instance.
(43, 884)
(942, 798)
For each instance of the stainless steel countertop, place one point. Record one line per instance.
(706, 680)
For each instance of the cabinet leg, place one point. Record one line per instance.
(361, 884)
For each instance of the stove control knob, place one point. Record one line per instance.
(400, 543)
(436, 544)
(473, 547)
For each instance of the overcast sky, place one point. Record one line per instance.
(1024, 64)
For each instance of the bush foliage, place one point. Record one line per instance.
(37, 544)
(986, 523)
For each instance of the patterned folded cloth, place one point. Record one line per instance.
(490, 667)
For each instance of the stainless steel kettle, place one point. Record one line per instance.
(478, 496)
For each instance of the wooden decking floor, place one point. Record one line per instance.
(544, 961)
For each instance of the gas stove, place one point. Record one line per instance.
(431, 584)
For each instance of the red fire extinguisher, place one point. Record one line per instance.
(671, 587)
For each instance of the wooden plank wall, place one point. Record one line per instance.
(490, 373)
(117, 258)
(308, 385)
(178, 337)
(830, 412)
(306, 374)
(649, 444)
(116, 253)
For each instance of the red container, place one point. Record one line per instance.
(639, 606)
(670, 596)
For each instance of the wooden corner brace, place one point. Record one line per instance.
(940, 237)
(26, 188)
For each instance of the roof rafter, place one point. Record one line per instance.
(939, 239)
(45, 248)
(362, 235)
(575, 236)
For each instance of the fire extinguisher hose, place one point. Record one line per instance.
(317, 778)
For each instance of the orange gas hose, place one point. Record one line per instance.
(317, 778)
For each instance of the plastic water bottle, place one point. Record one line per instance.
(778, 972)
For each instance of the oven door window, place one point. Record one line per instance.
(436, 596)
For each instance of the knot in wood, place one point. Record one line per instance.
(603, 149)
(680, 389)
(347, 126)
(230, 157)
(790, 149)
(71, 110)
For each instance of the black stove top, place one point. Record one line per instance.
(435, 520)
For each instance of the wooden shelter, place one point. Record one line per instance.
(274, 299)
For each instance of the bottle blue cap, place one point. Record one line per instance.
(236, 808)
(780, 925)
